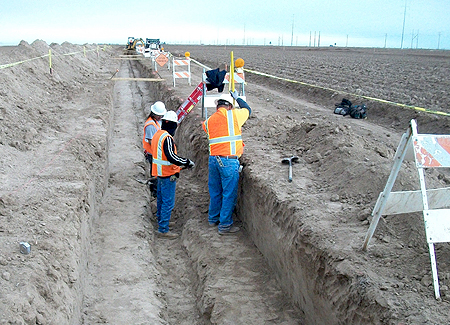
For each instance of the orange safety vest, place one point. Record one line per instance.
(147, 146)
(161, 166)
(224, 133)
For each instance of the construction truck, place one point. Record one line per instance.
(152, 44)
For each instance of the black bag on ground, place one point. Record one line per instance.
(343, 108)
(358, 111)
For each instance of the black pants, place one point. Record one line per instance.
(153, 181)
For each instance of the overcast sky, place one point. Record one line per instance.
(353, 23)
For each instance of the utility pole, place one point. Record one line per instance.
(416, 37)
(417, 40)
(292, 34)
(385, 38)
(403, 31)
(439, 40)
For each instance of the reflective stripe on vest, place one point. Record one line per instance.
(161, 162)
(159, 153)
(231, 139)
(161, 166)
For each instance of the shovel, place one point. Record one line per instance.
(289, 161)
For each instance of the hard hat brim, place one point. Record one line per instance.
(224, 97)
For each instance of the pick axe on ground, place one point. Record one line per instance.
(289, 161)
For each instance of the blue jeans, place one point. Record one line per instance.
(165, 201)
(223, 181)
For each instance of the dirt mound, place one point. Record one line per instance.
(51, 156)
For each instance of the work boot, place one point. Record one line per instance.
(230, 231)
(213, 224)
(168, 235)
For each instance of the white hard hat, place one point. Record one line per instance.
(225, 97)
(171, 116)
(158, 108)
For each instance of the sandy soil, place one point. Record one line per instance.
(71, 156)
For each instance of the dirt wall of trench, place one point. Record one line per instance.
(313, 277)
(57, 158)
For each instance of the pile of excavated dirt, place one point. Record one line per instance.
(71, 155)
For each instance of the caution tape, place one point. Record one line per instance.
(8, 65)
(73, 53)
(3, 66)
(420, 109)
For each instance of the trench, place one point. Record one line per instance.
(206, 261)
(206, 279)
(273, 272)
(309, 277)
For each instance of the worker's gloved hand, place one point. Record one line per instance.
(234, 94)
(190, 164)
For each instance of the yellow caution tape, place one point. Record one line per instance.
(420, 109)
(8, 65)
(3, 66)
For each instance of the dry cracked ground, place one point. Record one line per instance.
(71, 186)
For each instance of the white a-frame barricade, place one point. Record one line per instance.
(181, 69)
(430, 151)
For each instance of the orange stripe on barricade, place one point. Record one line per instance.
(181, 62)
(432, 151)
(426, 159)
(182, 74)
(237, 78)
(444, 143)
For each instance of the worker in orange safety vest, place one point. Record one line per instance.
(151, 126)
(166, 167)
(225, 147)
